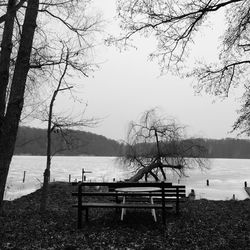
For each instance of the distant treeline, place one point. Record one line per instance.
(228, 148)
(32, 141)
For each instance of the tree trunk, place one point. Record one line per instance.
(6, 49)
(148, 170)
(46, 174)
(142, 172)
(11, 119)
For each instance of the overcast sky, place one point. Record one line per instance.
(127, 84)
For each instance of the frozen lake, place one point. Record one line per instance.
(226, 176)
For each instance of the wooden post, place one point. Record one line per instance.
(177, 201)
(69, 178)
(24, 173)
(113, 179)
(163, 204)
(207, 182)
(245, 184)
(87, 214)
(83, 174)
(79, 214)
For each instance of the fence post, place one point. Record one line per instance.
(79, 207)
(163, 203)
(245, 184)
(207, 182)
(177, 201)
(24, 173)
(82, 174)
(69, 178)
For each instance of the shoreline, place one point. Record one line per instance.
(196, 199)
(82, 155)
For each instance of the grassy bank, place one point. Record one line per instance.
(202, 225)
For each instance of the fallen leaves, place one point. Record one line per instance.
(202, 224)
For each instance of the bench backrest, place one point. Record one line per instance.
(170, 190)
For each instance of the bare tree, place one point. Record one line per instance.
(31, 32)
(61, 126)
(243, 122)
(11, 108)
(155, 144)
(175, 25)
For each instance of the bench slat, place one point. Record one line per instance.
(121, 205)
(117, 194)
(170, 194)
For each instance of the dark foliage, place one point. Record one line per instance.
(202, 224)
(228, 148)
(32, 141)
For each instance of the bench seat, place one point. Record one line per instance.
(169, 198)
(122, 205)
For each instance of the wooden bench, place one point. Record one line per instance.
(167, 195)
(174, 194)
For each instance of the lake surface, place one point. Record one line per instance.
(226, 176)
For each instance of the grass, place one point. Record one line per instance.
(202, 224)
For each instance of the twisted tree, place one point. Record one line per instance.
(156, 143)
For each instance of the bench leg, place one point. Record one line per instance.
(117, 201)
(153, 210)
(123, 209)
(163, 216)
(79, 218)
(87, 215)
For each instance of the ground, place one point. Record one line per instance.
(202, 224)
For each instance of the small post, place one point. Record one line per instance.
(69, 178)
(245, 183)
(207, 182)
(79, 207)
(24, 174)
(163, 203)
(83, 174)
(177, 201)
(113, 179)
(234, 197)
